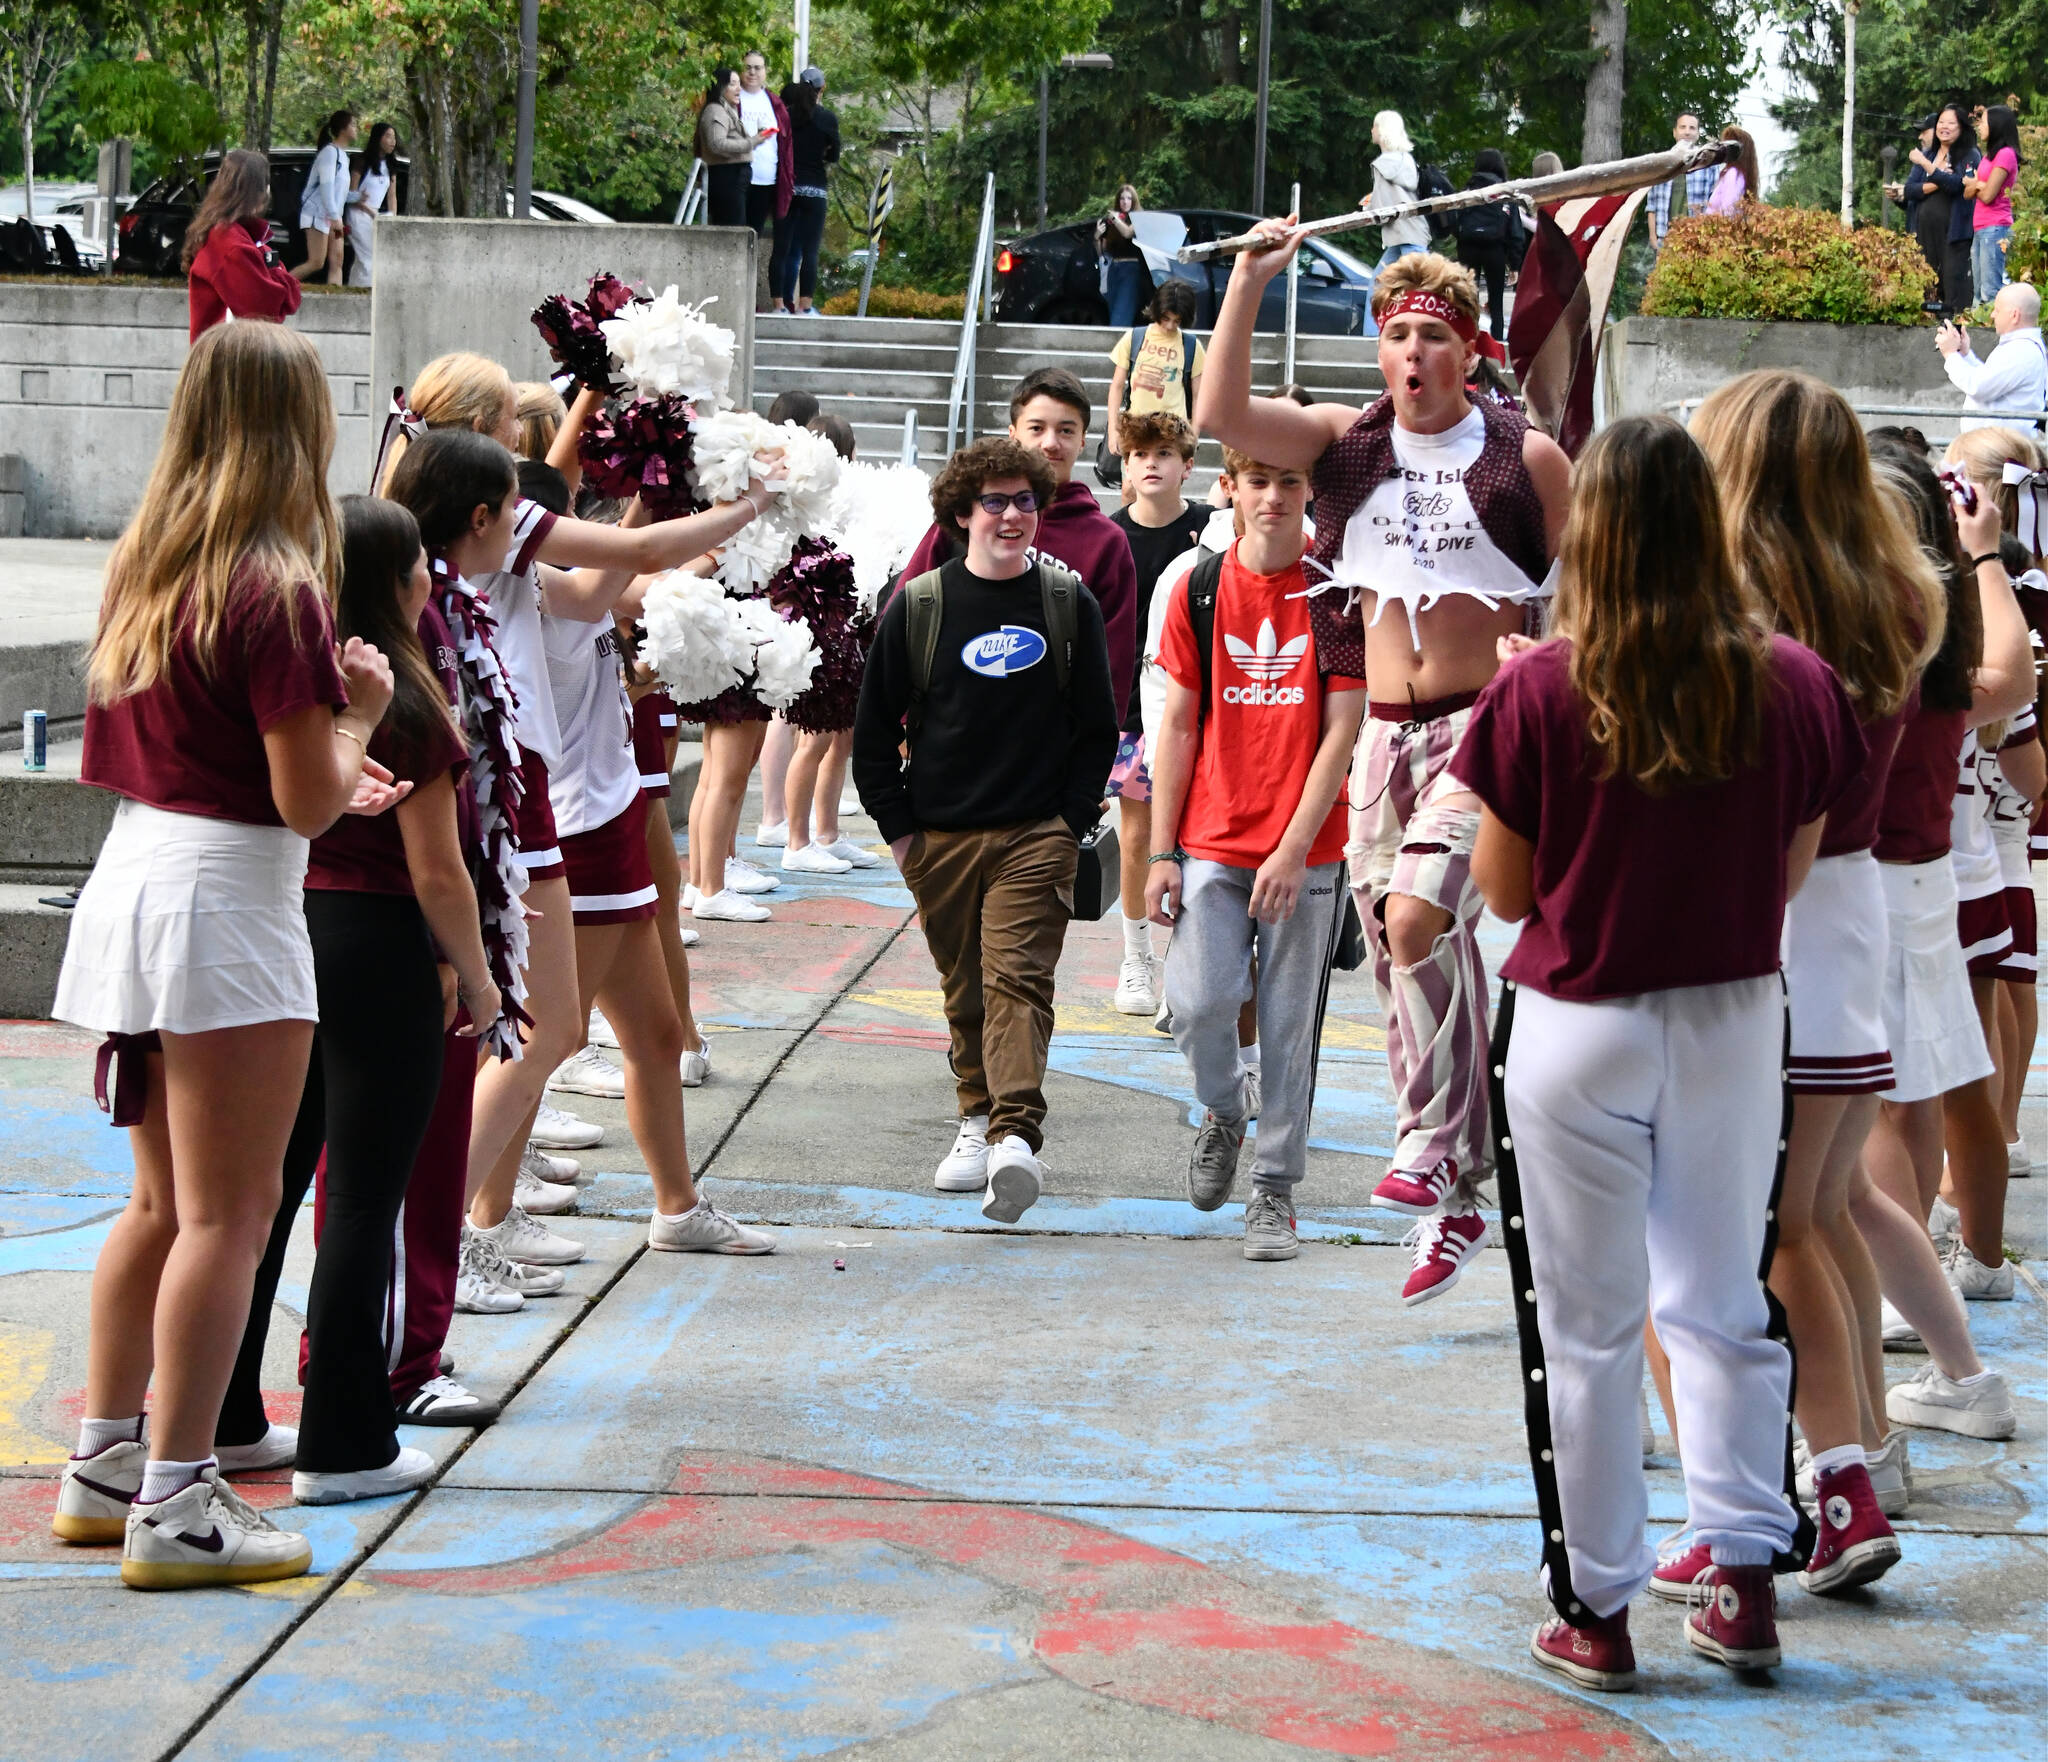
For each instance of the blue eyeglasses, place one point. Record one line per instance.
(1025, 501)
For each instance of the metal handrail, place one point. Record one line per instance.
(1293, 298)
(1683, 408)
(694, 192)
(909, 452)
(962, 393)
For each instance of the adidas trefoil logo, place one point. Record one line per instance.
(1267, 658)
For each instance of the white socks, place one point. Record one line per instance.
(95, 1435)
(1842, 1456)
(1138, 936)
(161, 1479)
(1248, 1056)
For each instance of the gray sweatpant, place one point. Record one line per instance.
(1208, 978)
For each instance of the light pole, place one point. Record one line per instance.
(1849, 9)
(1265, 94)
(803, 39)
(529, 75)
(1095, 60)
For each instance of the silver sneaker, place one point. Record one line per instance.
(704, 1229)
(1269, 1227)
(1212, 1168)
(1981, 1409)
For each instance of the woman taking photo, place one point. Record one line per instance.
(231, 269)
(1125, 280)
(726, 149)
(222, 711)
(814, 146)
(325, 200)
(376, 193)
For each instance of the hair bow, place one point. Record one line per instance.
(2033, 488)
(401, 420)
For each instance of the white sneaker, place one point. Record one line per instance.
(729, 907)
(854, 855)
(538, 1197)
(556, 1128)
(97, 1492)
(1015, 1180)
(599, 1033)
(589, 1072)
(697, 1066)
(408, 1469)
(1980, 1409)
(481, 1255)
(849, 800)
(1972, 1280)
(690, 937)
(277, 1448)
(564, 1171)
(1137, 986)
(813, 859)
(1943, 1223)
(1643, 1420)
(2019, 1160)
(479, 1288)
(1899, 1334)
(207, 1534)
(704, 1229)
(964, 1168)
(690, 895)
(773, 837)
(742, 876)
(1891, 1474)
(524, 1242)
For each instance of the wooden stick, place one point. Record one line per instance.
(1560, 186)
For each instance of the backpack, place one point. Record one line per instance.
(924, 609)
(1430, 180)
(1487, 225)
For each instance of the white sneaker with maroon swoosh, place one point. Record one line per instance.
(97, 1492)
(207, 1534)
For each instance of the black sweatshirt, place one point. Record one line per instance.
(999, 746)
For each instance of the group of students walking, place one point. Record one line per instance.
(1736, 723)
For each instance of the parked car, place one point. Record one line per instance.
(151, 234)
(1053, 277)
(547, 205)
(47, 246)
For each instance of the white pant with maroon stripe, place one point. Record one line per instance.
(1640, 1149)
(1405, 839)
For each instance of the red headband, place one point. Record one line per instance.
(1427, 304)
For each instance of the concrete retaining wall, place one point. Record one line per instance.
(473, 284)
(85, 378)
(1651, 363)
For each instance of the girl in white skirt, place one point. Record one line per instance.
(222, 712)
(467, 391)
(1655, 784)
(1835, 567)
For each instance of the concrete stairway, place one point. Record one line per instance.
(872, 370)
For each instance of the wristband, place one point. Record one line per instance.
(1167, 856)
(351, 734)
(749, 500)
(1987, 557)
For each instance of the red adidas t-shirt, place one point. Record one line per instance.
(1264, 717)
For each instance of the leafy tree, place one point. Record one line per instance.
(39, 41)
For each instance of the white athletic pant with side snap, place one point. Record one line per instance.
(1208, 978)
(1645, 1136)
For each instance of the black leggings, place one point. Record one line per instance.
(725, 193)
(370, 1091)
(793, 267)
(1489, 263)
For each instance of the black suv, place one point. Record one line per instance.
(149, 237)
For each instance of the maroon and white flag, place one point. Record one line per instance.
(1561, 309)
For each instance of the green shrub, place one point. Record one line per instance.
(1787, 263)
(2026, 255)
(896, 303)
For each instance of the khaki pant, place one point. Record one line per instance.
(995, 904)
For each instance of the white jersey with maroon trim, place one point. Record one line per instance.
(513, 593)
(1972, 852)
(598, 777)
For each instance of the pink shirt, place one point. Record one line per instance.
(1998, 213)
(1729, 189)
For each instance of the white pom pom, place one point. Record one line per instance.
(692, 637)
(755, 554)
(723, 453)
(785, 657)
(663, 346)
(806, 478)
(882, 513)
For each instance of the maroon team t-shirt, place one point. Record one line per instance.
(1852, 821)
(1919, 795)
(363, 853)
(1635, 892)
(193, 743)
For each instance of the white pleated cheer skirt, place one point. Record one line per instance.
(1930, 1017)
(1836, 936)
(189, 924)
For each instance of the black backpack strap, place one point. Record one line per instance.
(1059, 602)
(1131, 371)
(924, 607)
(1203, 581)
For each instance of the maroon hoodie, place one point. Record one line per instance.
(1075, 531)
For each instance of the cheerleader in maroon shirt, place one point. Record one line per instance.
(1655, 784)
(222, 711)
(1835, 567)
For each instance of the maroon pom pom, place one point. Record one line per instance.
(641, 447)
(815, 588)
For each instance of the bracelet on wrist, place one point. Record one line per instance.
(1167, 856)
(1978, 562)
(351, 734)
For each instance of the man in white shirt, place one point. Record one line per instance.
(2016, 375)
(757, 112)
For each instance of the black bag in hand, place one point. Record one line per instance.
(1098, 875)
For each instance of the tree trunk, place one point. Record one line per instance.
(1605, 84)
(1230, 48)
(252, 36)
(273, 29)
(28, 157)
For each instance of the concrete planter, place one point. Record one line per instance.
(1654, 363)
